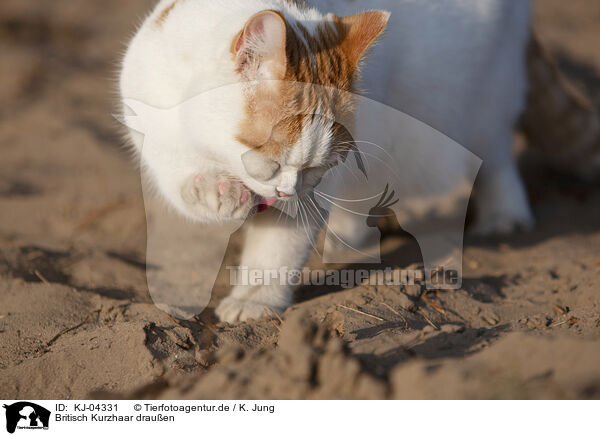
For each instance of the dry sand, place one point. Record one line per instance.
(76, 319)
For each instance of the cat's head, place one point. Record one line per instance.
(293, 131)
(284, 121)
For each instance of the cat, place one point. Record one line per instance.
(457, 65)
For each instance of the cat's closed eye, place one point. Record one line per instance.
(260, 167)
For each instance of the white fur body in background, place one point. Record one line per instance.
(457, 65)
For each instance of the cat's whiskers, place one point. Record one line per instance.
(281, 212)
(377, 158)
(306, 223)
(315, 220)
(297, 214)
(359, 200)
(349, 210)
(329, 229)
(367, 143)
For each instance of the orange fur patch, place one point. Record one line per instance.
(165, 14)
(277, 114)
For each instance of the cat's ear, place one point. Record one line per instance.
(360, 31)
(260, 48)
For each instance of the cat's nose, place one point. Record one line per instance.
(287, 183)
(281, 193)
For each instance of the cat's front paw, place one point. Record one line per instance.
(233, 310)
(502, 224)
(503, 220)
(224, 197)
(502, 204)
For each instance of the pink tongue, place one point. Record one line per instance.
(269, 201)
(266, 203)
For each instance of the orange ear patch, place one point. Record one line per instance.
(237, 42)
(162, 17)
(360, 31)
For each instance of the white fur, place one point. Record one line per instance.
(457, 65)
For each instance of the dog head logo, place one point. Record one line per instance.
(24, 415)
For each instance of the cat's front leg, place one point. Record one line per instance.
(274, 249)
(502, 202)
(217, 197)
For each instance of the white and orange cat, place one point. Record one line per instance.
(457, 65)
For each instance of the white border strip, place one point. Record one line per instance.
(331, 417)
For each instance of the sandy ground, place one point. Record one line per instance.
(76, 318)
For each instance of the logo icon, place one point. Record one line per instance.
(24, 415)
(390, 166)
